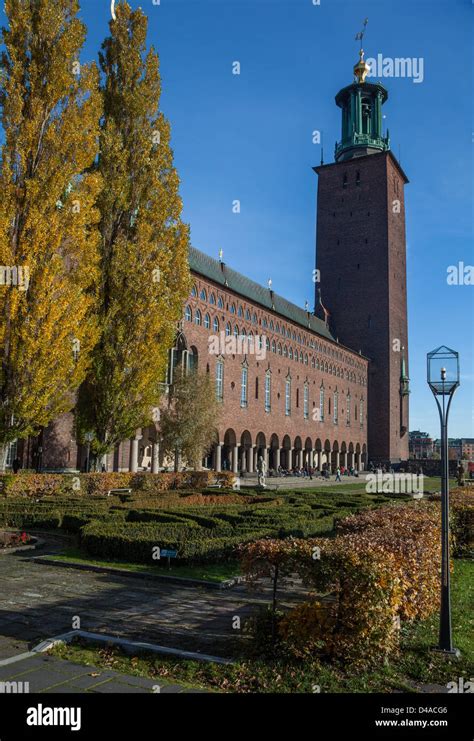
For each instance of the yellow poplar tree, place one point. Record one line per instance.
(144, 244)
(50, 111)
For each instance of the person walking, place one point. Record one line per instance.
(338, 474)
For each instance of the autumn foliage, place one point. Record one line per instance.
(382, 568)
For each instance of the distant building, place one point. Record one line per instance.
(459, 447)
(420, 444)
(467, 448)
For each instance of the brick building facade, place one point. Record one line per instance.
(322, 388)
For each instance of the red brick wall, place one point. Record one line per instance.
(253, 418)
(361, 257)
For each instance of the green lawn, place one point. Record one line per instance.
(415, 665)
(218, 572)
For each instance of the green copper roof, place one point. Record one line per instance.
(221, 274)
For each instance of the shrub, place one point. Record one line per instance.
(382, 567)
(93, 484)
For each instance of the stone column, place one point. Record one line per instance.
(155, 457)
(218, 457)
(235, 459)
(336, 461)
(243, 459)
(250, 455)
(134, 454)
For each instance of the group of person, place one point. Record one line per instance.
(308, 472)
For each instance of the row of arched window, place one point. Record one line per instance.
(272, 326)
(318, 414)
(272, 346)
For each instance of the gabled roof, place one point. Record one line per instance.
(221, 274)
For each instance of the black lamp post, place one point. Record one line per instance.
(443, 380)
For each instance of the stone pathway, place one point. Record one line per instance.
(39, 601)
(48, 674)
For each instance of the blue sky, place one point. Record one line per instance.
(249, 137)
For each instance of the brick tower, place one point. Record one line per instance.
(361, 256)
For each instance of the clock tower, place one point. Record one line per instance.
(361, 256)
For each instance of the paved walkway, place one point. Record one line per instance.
(39, 601)
(274, 483)
(48, 674)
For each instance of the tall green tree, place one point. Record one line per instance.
(50, 112)
(144, 244)
(188, 423)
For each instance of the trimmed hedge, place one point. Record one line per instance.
(135, 541)
(96, 484)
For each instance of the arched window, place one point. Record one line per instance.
(336, 407)
(220, 303)
(198, 318)
(232, 308)
(277, 328)
(207, 321)
(264, 323)
(301, 357)
(288, 396)
(290, 353)
(267, 343)
(268, 391)
(254, 319)
(348, 409)
(306, 360)
(247, 315)
(203, 294)
(273, 346)
(321, 403)
(215, 324)
(272, 326)
(285, 352)
(212, 299)
(188, 314)
(228, 329)
(194, 291)
(279, 349)
(240, 312)
(220, 380)
(361, 413)
(236, 331)
(306, 401)
(244, 386)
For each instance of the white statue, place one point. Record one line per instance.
(262, 470)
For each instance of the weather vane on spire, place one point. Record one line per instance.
(360, 35)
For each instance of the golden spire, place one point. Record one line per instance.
(361, 69)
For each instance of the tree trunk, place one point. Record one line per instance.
(3, 456)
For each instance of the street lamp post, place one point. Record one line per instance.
(443, 380)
